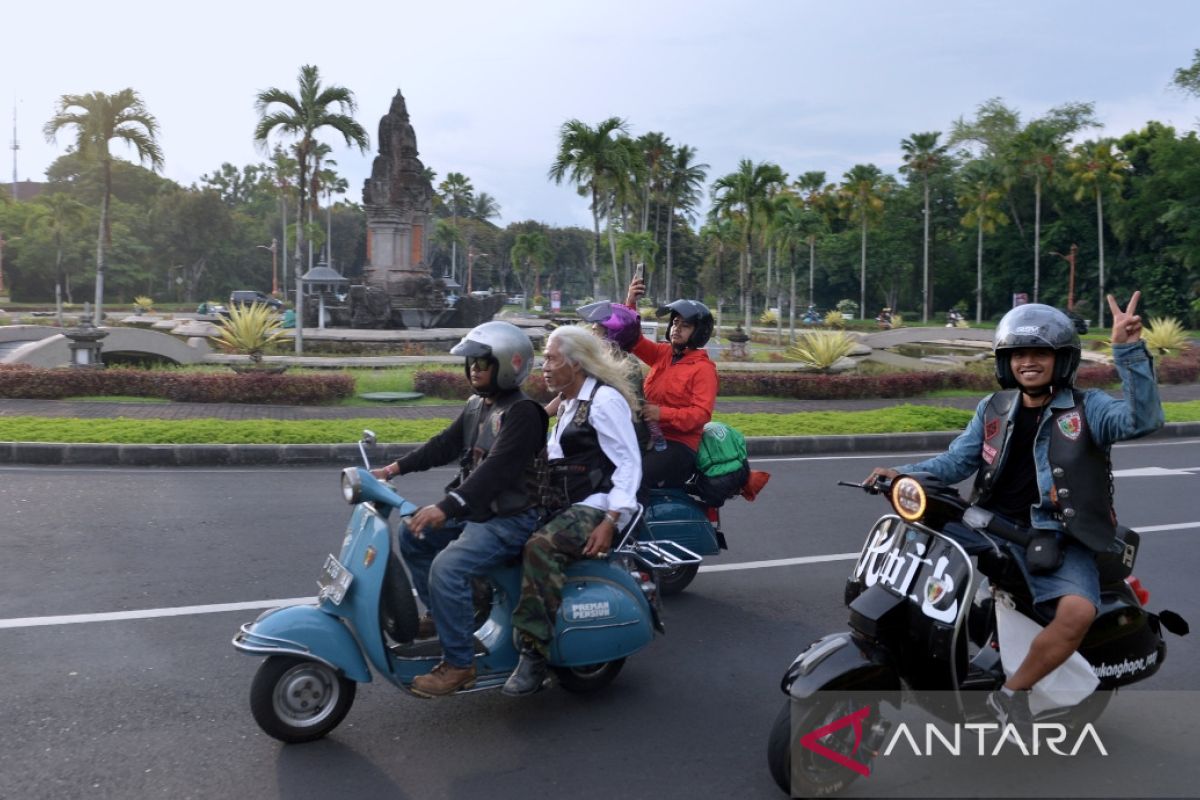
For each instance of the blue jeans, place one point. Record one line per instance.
(442, 563)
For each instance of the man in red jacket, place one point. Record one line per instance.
(680, 390)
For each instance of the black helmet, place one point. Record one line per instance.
(696, 313)
(508, 348)
(1037, 325)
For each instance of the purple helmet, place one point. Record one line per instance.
(621, 324)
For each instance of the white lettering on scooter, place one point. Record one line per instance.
(885, 562)
(590, 610)
(1047, 735)
(1126, 667)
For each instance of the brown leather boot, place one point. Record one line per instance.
(425, 627)
(443, 680)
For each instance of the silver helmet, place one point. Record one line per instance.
(505, 345)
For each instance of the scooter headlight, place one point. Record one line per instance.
(351, 485)
(908, 498)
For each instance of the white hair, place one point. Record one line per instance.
(579, 346)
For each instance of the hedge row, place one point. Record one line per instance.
(20, 380)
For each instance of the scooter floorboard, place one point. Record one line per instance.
(425, 649)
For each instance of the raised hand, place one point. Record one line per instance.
(637, 288)
(1127, 325)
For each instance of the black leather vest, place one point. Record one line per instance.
(481, 428)
(584, 469)
(1081, 472)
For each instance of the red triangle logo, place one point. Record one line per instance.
(856, 718)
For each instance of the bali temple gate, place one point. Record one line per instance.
(399, 290)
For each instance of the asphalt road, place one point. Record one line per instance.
(156, 705)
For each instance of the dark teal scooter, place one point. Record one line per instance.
(365, 619)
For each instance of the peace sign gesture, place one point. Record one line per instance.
(1127, 325)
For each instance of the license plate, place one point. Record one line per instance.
(334, 581)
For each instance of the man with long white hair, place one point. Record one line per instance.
(594, 468)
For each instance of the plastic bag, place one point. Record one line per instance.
(1068, 685)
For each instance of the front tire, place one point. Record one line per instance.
(591, 678)
(674, 581)
(297, 700)
(817, 776)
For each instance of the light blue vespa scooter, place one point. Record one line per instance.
(366, 613)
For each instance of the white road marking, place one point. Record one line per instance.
(1148, 472)
(218, 608)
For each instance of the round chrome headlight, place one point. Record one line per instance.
(351, 485)
(908, 498)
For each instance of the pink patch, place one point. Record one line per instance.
(991, 429)
(989, 453)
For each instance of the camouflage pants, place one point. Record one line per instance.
(547, 553)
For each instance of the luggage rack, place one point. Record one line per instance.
(662, 555)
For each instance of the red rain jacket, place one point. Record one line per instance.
(685, 391)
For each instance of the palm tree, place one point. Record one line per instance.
(923, 156)
(1038, 151)
(457, 194)
(530, 252)
(742, 194)
(590, 158)
(1098, 168)
(641, 247)
(797, 223)
(816, 194)
(302, 115)
(58, 214)
(980, 193)
(483, 207)
(683, 184)
(861, 198)
(98, 118)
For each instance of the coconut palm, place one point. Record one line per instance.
(303, 115)
(58, 214)
(683, 184)
(1098, 168)
(483, 207)
(861, 198)
(795, 225)
(980, 192)
(923, 157)
(457, 194)
(816, 196)
(742, 194)
(529, 254)
(591, 158)
(98, 119)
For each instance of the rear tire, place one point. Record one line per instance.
(297, 700)
(591, 678)
(674, 581)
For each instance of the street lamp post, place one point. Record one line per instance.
(3, 242)
(471, 256)
(1070, 259)
(274, 248)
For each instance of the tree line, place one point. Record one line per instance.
(993, 206)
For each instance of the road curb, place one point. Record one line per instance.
(255, 455)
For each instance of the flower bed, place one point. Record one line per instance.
(452, 385)
(23, 381)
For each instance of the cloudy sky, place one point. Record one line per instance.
(808, 85)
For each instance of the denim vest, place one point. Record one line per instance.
(1104, 420)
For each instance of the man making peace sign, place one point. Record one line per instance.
(1039, 450)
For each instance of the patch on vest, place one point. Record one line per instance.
(495, 423)
(1070, 425)
(988, 453)
(991, 429)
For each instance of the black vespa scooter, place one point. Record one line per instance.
(923, 627)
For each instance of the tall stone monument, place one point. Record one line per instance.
(398, 197)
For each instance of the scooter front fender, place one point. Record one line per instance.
(307, 632)
(843, 662)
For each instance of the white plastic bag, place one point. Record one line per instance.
(1067, 685)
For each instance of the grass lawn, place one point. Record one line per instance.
(903, 418)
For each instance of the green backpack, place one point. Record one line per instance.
(722, 450)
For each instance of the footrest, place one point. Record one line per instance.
(663, 554)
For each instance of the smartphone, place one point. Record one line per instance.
(639, 272)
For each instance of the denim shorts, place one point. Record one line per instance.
(1078, 575)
